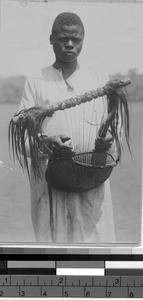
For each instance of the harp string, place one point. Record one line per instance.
(72, 115)
(78, 121)
(70, 125)
(66, 118)
(73, 137)
(91, 127)
(80, 128)
(83, 119)
(75, 125)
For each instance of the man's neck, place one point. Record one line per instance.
(67, 68)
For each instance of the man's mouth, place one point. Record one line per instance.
(69, 52)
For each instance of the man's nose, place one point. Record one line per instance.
(69, 44)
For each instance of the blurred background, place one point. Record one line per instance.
(113, 37)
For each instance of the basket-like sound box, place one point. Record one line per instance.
(82, 172)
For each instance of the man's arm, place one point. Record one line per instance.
(59, 145)
(28, 100)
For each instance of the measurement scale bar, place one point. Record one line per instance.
(124, 264)
(80, 264)
(28, 267)
(25, 271)
(122, 272)
(31, 264)
(72, 278)
(51, 264)
(71, 286)
(80, 271)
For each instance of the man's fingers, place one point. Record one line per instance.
(63, 154)
(62, 150)
(109, 140)
(59, 143)
(103, 144)
(104, 141)
(64, 138)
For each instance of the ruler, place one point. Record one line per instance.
(73, 276)
(71, 286)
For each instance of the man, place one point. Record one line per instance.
(78, 217)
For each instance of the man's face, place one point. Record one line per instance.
(67, 42)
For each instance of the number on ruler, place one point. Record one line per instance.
(87, 294)
(22, 293)
(60, 280)
(109, 294)
(66, 294)
(117, 281)
(45, 294)
(1, 293)
(131, 295)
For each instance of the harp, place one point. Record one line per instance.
(83, 171)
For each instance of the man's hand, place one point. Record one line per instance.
(103, 144)
(59, 145)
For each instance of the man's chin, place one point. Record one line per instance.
(69, 59)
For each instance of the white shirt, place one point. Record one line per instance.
(78, 217)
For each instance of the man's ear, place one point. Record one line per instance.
(51, 39)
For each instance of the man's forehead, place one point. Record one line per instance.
(70, 30)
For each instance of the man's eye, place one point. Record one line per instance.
(76, 40)
(62, 39)
(66, 40)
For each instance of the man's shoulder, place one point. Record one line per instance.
(41, 75)
(95, 68)
(47, 72)
(96, 72)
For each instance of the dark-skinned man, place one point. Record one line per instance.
(85, 217)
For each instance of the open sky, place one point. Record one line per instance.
(114, 35)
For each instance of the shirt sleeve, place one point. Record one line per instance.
(28, 100)
(29, 95)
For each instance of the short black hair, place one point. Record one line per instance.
(66, 18)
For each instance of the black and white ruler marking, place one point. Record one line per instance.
(120, 276)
